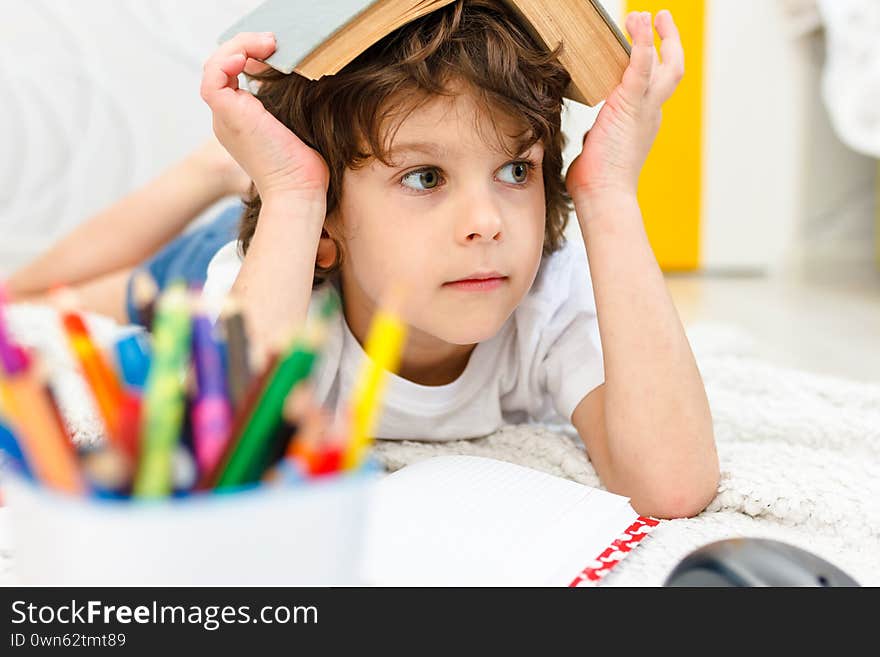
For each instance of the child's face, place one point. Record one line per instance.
(466, 209)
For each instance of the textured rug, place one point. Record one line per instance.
(799, 452)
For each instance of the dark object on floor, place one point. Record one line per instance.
(755, 562)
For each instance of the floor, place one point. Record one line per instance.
(827, 323)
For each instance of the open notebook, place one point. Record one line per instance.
(474, 521)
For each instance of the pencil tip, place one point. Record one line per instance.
(230, 307)
(197, 305)
(144, 287)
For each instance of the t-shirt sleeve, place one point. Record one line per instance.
(222, 271)
(573, 365)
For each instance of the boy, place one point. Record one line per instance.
(435, 158)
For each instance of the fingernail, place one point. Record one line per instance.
(646, 18)
(268, 35)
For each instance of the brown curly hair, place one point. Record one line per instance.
(477, 42)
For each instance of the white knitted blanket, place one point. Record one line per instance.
(799, 452)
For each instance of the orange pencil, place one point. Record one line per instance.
(332, 451)
(99, 375)
(46, 446)
(318, 445)
(311, 423)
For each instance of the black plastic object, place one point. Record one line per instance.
(747, 562)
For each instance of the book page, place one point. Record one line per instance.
(473, 521)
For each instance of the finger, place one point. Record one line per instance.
(671, 68)
(256, 45)
(636, 18)
(255, 67)
(219, 75)
(239, 49)
(233, 67)
(637, 77)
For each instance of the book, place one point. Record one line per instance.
(318, 39)
(475, 521)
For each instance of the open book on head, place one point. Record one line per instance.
(319, 38)
(474, 521)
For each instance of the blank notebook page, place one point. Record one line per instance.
(467, 520)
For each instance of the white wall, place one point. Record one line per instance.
(837, 207)
(781, 192)
(755, 79)
(781, 189)
(96, 98)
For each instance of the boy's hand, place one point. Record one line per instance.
(273, 156)
(616, 147)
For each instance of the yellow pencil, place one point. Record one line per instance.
(384, 347)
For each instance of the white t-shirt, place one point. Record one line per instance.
(542, 362)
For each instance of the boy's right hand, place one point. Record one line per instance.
(276, 159)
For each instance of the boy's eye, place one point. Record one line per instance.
(520, 171)
(429, 178)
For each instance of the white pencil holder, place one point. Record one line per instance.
(308, 533)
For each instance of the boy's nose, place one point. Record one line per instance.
(480, 223)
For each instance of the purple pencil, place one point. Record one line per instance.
(212, 411)
(10, 356)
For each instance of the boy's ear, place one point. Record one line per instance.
(327, 251)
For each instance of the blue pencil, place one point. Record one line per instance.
(10, 446)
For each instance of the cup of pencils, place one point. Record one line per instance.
(213, 471)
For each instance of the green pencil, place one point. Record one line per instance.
(164, 401)
(246, 460)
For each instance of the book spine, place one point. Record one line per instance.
(614, 553)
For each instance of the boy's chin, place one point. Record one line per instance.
(468, 330)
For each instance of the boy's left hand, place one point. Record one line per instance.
(616, 147)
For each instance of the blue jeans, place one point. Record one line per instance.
(186, 257)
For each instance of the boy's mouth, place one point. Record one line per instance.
(478, 281)
(479, 276)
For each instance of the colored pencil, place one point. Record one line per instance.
(47, 448)
(241, 415)
(107, 470)
(144, 292)
(383, 348)
(133, 359)
(239, 367)
(184, 471)
(9, 444)
(164, 402)
(249, 455)
(310, 422)
(97, 371)
(211, 411)
(133, 363)
(9, 358)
